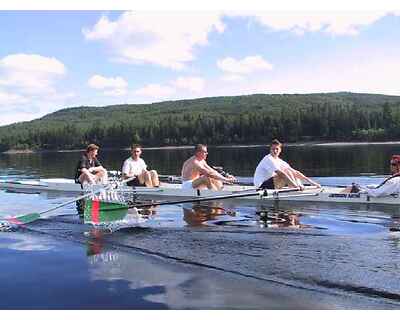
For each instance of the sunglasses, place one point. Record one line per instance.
(393, 164)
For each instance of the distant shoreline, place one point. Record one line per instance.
(296, 144)
(355, 143)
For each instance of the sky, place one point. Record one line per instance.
(54, 59)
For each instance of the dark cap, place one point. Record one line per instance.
(395, 159)
(92, 147)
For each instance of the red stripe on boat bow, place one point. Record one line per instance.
(14, 221)
(95, 211)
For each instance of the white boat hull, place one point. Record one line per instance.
(171, 190)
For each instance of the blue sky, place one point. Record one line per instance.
(55, 59)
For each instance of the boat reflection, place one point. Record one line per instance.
(95, 242)
(142, 281)
(198, 214)
(274, 217)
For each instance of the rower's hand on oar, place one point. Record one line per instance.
(230, 179)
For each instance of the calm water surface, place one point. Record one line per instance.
(348, 160)
(327, 251)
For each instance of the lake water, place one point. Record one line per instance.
(285, 256)
(328, 160)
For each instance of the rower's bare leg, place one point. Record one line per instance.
(101, 176)
(300, 176)
(346, 190)
(216, 184)
(154, 178)
(280, 181)
(201, 183)
(145, 178)
(87, 177)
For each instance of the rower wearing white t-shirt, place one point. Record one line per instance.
(135, 166)
(274, 173)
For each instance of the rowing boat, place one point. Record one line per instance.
(52, 184)
(174, 190)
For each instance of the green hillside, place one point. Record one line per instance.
(341, 116)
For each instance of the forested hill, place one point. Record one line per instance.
(249, 119)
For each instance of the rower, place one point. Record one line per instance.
(134, 167)
(89, 169)
(197, 174)
(274, 173)
(388, 187)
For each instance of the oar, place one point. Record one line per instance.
(263, 193)
(30, 217)
(199, 199)
(94, 207)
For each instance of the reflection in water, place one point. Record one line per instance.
(95, 242)
(26, 242)
(216, 214)
(274, 217)
(198, 214)
(161, 284)
(110, 264)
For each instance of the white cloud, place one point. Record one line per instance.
(103, 30)
(193, 84)
(156, 91)
(118, 92)
(247, 65)
(32, 63)
(19, 107)
(334, 23)
(164, 39)
(11, 99)
(169, 39)
(112, 86)
(181, 85)
(232, 78)
(30, 72)
(28, 86)
(100, 82)
(366, 73)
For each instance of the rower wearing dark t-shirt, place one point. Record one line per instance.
(89, 169)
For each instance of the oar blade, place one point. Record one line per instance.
(97, 211)
(23, 219)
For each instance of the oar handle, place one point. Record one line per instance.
(286, 190)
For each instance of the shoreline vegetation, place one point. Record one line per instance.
(340, 117)
(292, 144)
